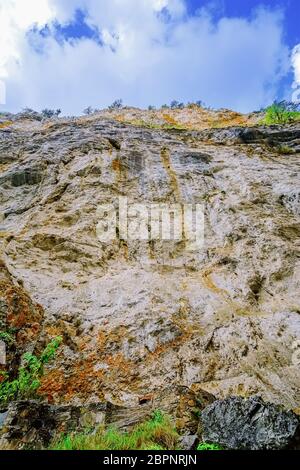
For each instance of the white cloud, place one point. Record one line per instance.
(145, 59)
(16, 17)
(296, 64)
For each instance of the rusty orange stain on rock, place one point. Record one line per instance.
(21, 311)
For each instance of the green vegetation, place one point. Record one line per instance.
(285, 150)
(50, 113)
(152, 125)
(117, 104)
(88, 111)
(7, 337)
(206, 446)
(158, 433)
(29, 374)
(282, 113)
(178, 105)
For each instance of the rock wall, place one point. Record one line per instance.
(139, 317)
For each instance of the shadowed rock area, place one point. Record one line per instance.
(137, 317)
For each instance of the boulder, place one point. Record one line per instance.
(237, 423)
(188, 442)
(33, 424)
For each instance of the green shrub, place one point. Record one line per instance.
(285, 150)
(88, 111)
(176, 105)
(29, 374)
(50, 113)
(117, 104)
(206, 446)
(7, 337)
(158, 433)
(282, 113)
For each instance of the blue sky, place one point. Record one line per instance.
(70, 54)
(244, 8)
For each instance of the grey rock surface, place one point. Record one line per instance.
(188, 442)
(236, 423)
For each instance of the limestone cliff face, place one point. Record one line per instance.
(140, 318)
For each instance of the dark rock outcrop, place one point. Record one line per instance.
(268, 135)
(236, 423)
(32, 424)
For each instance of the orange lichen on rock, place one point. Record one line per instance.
(80, 379)
(52, 385)
(22, 313)
(5, 124)
(166, 160)
(170, 120)
(119, 364)
(116, 164)
(53, 331)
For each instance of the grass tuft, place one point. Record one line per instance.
(158, 433)
(206, 446)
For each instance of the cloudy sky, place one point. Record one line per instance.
(69, 54)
